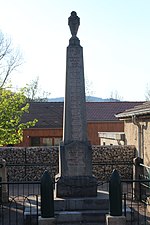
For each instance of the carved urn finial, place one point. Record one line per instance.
(74, 22)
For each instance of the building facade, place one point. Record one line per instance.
(137, 129)
(49, 128)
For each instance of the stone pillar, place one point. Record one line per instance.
(115, 194)
(3, 176)
(47, 201)
(138, 171)
(75, 154)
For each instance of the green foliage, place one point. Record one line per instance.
(12, 107)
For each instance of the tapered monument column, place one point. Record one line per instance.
(75, 154)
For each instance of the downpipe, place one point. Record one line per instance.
(136, 122)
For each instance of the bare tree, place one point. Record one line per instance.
(10, 58)
(115, 96)
(88, 89)
(147, 93)
(34, 93)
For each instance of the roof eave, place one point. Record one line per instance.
(129, 115)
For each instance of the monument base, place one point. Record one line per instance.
(87, 210)
(46, 221)
(115, 220)
(76, 186)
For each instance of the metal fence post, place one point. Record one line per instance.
(115, 194)
(47, 196)
(1, 190)
(3, 175)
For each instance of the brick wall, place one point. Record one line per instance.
(42, 158)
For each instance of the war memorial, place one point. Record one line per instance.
(75, 168)
(76, 197)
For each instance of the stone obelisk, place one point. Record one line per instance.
(75, 154)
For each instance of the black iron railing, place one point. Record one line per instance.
(137, 211)
(23, 194)
(20, 203)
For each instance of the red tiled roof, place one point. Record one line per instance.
(105, 111)
(50, 114)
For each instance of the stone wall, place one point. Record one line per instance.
(30, 163)
(106, 158)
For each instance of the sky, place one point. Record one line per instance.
(114, 34)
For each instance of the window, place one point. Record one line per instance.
(57, 141)
(35, 141)
(47, 141)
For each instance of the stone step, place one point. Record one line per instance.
(72, 211)
(84, 217)
(81, 217)
(101, 202)
(81, 205)
(83, 223)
